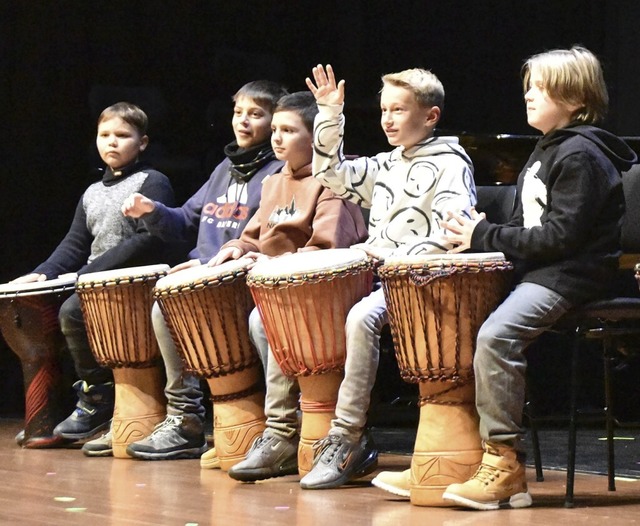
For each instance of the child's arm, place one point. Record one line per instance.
(249, 241)
(336, 224)
(353, 179)
(73, 251)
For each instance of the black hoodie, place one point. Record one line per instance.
(565, 232)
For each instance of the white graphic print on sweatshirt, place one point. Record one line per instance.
(534, 196)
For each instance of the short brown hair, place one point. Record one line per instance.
(302, 103)
(572, 76)
(264, 92)
(129, 113)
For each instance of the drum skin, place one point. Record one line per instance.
(436, 306)
(304, 299)
(207, 311)
(116, 305)
(29, 325)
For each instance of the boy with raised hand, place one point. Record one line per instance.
(564, 239)
(409, 190)
(216, 213)
(100, 238)
(296, 214)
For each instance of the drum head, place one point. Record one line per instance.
(446, 259)
(312, 262)
(37, 287)
(201, 275)
(123, 274)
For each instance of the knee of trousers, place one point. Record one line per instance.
(70, 317)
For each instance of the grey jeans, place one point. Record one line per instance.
(364, 324)
(281, 401)
(183, 392)
(500, 363)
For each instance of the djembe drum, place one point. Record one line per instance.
(116, 305)
(207, 311)
(29, 324)
(304, 299)
(436, 305)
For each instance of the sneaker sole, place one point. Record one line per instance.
(367, 467)
(400, 492)
(519, 500)
(263, 473)
(82, 436)
(173, 455)
(97, 452)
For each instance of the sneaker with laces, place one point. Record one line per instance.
(99, 447)
(270, 456)
(338, 460)
(210, 460)
(176, 437)
(92, 414)
(500, 482)
(396, 482)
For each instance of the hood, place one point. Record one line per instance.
(616, 150)
(436, 146)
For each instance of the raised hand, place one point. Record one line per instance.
(325, 89)
(137, 205)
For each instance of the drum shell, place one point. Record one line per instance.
(305, 318)
(116, 306)
(435, 315)
(208, 321)
(207, 311)
(29, 324)
(117, 313)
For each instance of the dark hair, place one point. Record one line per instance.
(129, 113)
(265, 92)
(301, 102)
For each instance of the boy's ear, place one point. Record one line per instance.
(144, 141)
(432, 117)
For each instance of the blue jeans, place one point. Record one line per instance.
(500, 363)
(183, 392)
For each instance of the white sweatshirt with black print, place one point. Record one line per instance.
(408, 191)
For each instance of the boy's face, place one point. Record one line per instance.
(403, 120)
(119, 143)
(290, 139)
(251, 122)
(543, 112)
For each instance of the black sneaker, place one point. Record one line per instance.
(269, 456)
(339, 460)
(174, 438)
(92, 414)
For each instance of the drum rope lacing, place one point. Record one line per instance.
(420, 276)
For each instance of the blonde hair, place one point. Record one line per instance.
(571, 76)
(425, 86)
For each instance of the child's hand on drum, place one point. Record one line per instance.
(225, 255)
(137, 205)
(185, 265)
(29, 278)
(460, 229)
